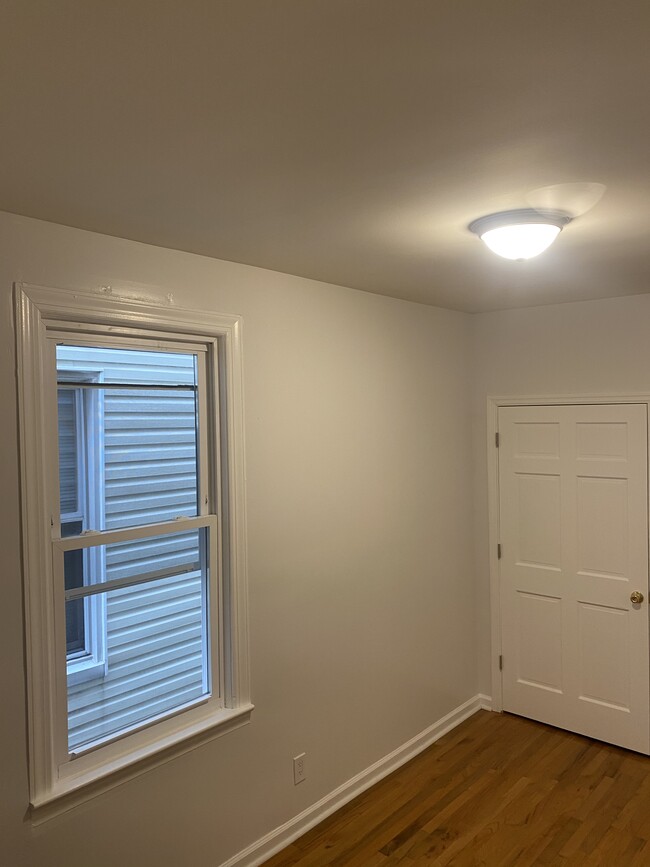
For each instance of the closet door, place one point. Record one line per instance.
(573, 487)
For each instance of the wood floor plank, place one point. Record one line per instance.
(289, 856)
(498, 791)
(642, 857)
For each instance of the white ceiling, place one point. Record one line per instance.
(349, 141)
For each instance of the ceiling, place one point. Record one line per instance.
(350, 141)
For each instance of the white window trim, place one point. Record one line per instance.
(40, 310)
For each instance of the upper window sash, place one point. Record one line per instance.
(208, 466)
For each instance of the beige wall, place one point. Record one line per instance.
(360, 549)
(591, 347)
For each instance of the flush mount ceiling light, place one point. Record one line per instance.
(520, 234)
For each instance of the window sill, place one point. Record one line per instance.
(87, 669)
(70, 792)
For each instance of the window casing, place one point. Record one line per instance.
(69, 654)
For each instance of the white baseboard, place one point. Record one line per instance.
(485, 701)
(260, 851)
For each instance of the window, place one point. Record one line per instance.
(128, 457)
(80, 439)
(134, 545)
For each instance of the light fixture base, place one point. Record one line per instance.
(519, 217)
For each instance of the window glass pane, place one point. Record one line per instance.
(140, 443)
(150, 462)
(68, 481)
(156, 636)
(75, 633)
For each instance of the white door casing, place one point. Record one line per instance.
(573, 514)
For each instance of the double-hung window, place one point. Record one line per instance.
(133, 528)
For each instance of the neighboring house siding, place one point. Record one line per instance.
(154, 640)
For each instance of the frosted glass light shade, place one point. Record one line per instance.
(520, 234)
(520, 242)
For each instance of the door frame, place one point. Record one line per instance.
(494, 403)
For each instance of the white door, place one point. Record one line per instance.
(573, 488)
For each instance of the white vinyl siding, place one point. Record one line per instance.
(154, 638)
(150, 457)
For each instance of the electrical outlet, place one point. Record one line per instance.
(299, 768)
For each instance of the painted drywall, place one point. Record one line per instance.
(590, 347)
(359, 495)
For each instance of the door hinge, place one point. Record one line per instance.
(496, 439)
(500, 662)
(499, 551)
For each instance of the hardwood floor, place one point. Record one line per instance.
(499, 790)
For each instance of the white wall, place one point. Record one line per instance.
(590, 347)
(360, 549)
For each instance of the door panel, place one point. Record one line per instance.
(604, 677)
(538, 521)
(573, 493)
(539, 648)
(601, 512)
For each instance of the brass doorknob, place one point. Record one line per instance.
(636, 597)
